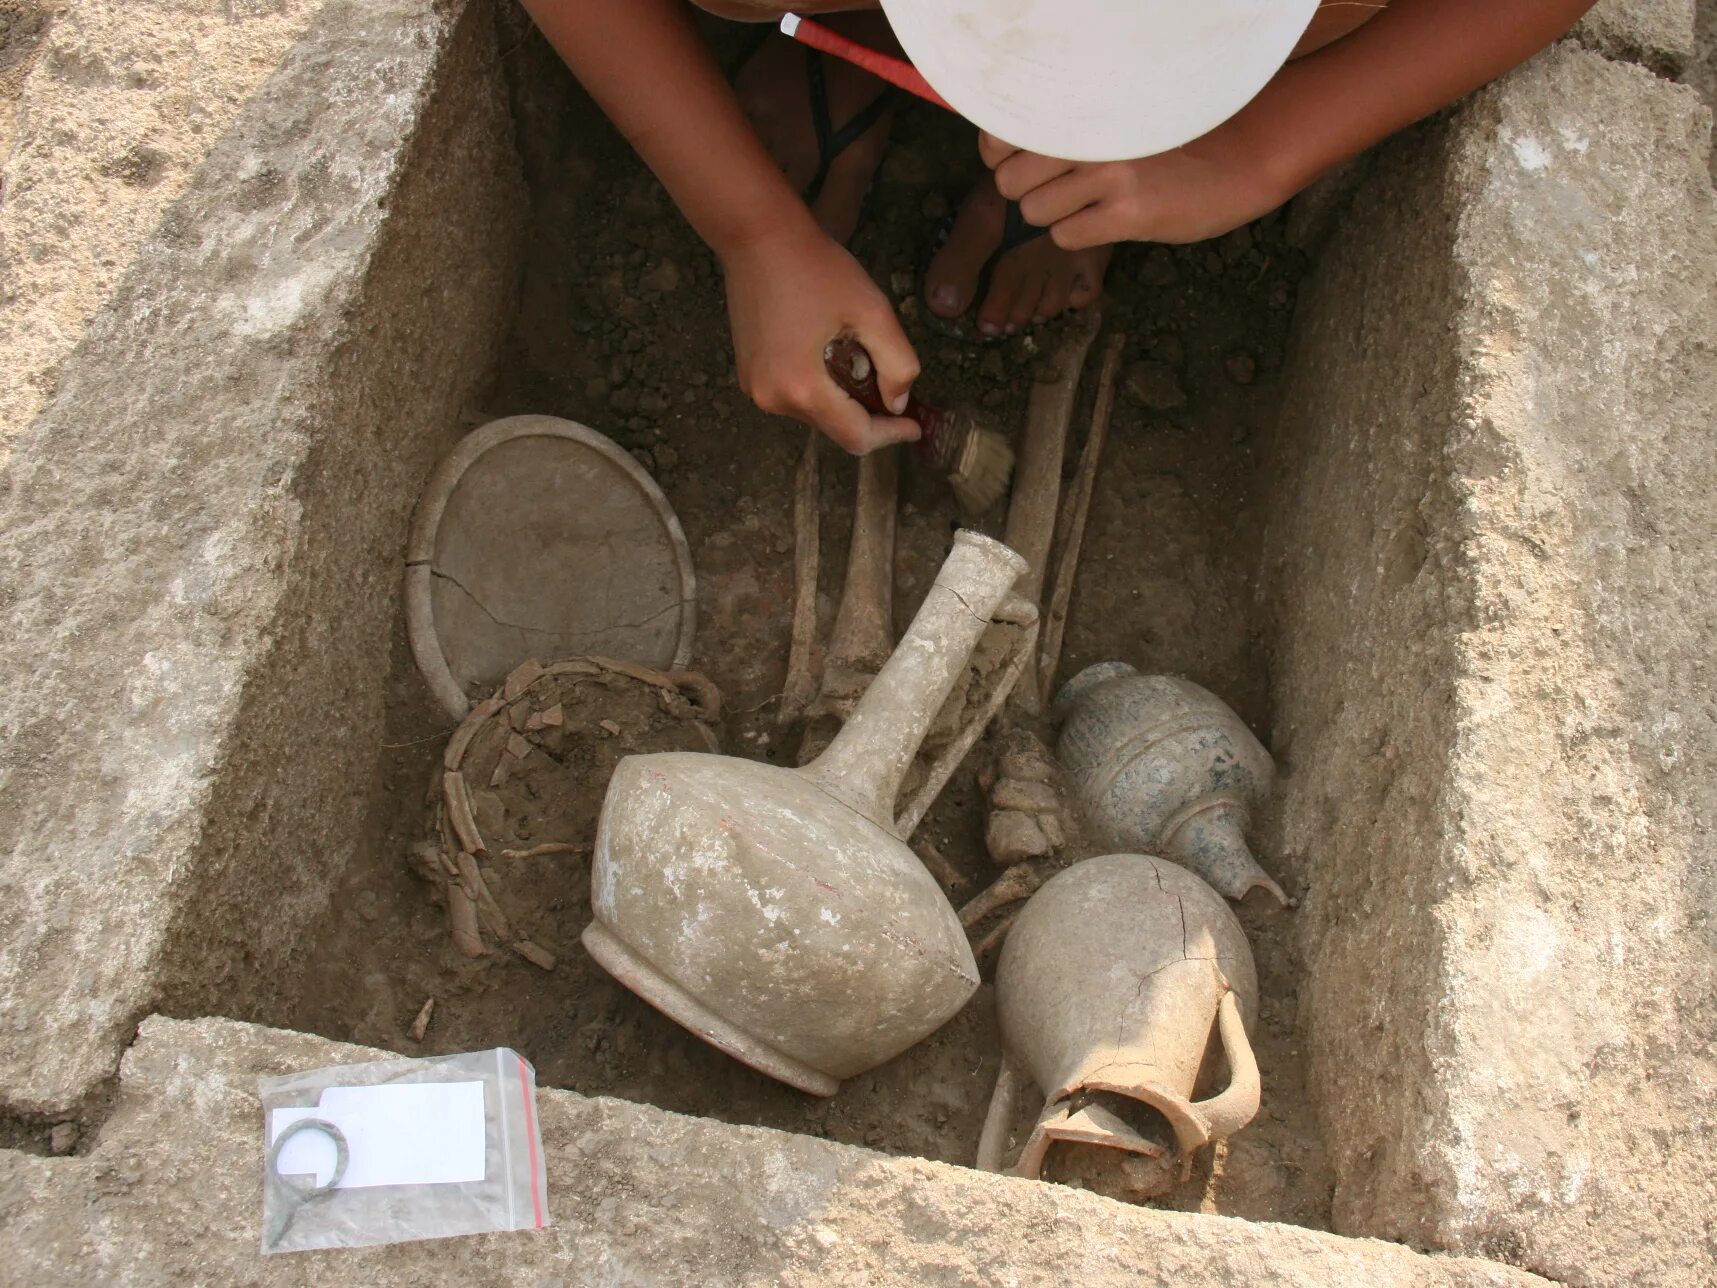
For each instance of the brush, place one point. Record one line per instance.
(976, 460)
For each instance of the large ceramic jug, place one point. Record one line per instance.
(777, 913)
(1165, 767)
(1119, 984)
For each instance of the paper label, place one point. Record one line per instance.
(414, 1133)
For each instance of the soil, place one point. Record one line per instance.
(622, 326)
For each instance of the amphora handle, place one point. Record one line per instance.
(1232, 1108)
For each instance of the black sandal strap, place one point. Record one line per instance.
(1015, 233)
(830, 141)
(1015, 230)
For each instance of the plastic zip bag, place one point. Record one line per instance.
(395, 1150)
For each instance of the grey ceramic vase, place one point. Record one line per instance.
(1165, 767)
(778, 913)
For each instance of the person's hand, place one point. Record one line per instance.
(788, 295)
(1206, 188)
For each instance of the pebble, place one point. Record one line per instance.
(1154, 384)
(63, 1138)
(1168, 348)
(1012, 837)
(1242, 368)
(1158, 268)
(663, 279)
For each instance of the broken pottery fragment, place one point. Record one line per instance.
(777, 913)
(1163, 766)
(1124, 987)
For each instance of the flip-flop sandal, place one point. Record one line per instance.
(831, 143)
(1015, 233)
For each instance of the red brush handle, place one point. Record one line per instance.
(896, 71)
(852, 369)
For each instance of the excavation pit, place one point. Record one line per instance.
(621, 327)
(1365, 450)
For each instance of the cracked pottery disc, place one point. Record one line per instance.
(539, 537)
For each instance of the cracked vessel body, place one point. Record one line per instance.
(777, 913)
(1124, 987)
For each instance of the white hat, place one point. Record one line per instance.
(1098, 80)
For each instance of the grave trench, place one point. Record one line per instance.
(620, 325)
(1339, 512)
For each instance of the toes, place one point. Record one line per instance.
(995, 308)
(1056, 295)
(1026, 302)
(1088, 269)
(952, 278)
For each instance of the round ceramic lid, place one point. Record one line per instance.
(539, 538)
(1098, 80)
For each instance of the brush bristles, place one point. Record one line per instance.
(985, 468)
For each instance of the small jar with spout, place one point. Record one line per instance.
(1165, 767)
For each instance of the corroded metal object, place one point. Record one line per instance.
(1121, 983)
(777, 912)
(1163, 766)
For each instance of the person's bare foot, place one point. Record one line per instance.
(1030, 283)
(775, 92)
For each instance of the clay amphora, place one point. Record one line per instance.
(1120, 982)
(776, 912)
(1165, 767)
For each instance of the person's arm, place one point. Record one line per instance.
(1414, 57)
(790, 288)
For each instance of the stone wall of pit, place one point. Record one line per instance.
(203, 531)
(1493, 583)
(171, 1194)
(108, 109)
